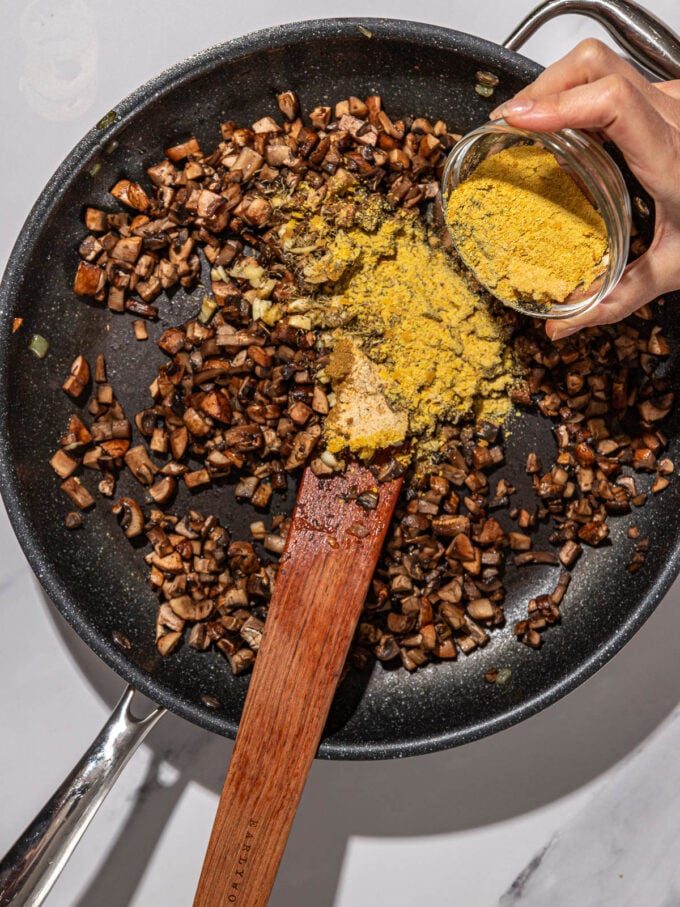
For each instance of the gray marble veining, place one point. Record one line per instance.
(621, 848)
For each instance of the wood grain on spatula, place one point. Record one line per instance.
(321, 585)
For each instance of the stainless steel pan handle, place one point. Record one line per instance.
(648, 41)
(32, 865)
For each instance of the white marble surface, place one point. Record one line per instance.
(454, 828)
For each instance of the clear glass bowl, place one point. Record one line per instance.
(593, 169)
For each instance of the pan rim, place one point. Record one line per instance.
(47, 572)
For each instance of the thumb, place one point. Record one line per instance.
(642, 281)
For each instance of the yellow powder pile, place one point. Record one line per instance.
(361, 420)
(439, 350)
(528, 232)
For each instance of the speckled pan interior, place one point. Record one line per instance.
(98, 580)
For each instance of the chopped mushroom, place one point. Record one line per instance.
(73, 520)
(63, 465)
(131, 517)
(78, 378)
(288, 104)
(140, 465)
(77, 492)
(242, 394)
(131, 194)
(163, 490)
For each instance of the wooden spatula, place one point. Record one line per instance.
(331, 552)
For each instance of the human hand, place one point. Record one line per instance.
(593, 88)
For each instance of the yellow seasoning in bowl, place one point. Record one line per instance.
(525, 228)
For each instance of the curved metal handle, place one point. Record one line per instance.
(31, 867)
(651, 43)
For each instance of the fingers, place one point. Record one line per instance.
(618, 108)
(587, 62)
(669, 89)
(650, 276)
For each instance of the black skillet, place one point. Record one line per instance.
(98, 581)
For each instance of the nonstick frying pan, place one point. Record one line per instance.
(98, 580)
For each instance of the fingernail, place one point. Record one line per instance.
(559, 333)
(513, 108)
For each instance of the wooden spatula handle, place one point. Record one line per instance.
(323, 578)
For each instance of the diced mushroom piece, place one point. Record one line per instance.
(100, 371)
(77, 492)
(481, 609)
(560, 589)
(288, 104)
(163, 490)
(659, 484)
(91, 458)
(248, 162)
(104, 393)
(266, 124)
(303, 445)
(62, 464)
(127, 249)
(183, 149)
(658, 345)
(198, 637)
(148, 290)
(115, 299)
(90, 248)
(131, 517)
(96, 220)
(172, 340)
(188, 609)
(644, 460)
(168, 643)
(241, 661)
(519, 541)
(216, 405)
(89, 280)
(107, 485)
(655, 411)
(666, 466)
(262, 495)
(116, 428)
(256, 211)
(593, 533)
(78, 379)
(168, 563)
(536, 558)
(162, 174)
(320, 117)
(131, 194)
(274, 543)
(159, 440)
(140, 465)
(73, 520)
(196, 478)
(194, 421)
(570, 553)
(251, 632)
(179, 439)
(209, 203)
(116, 448)
(450, 526)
